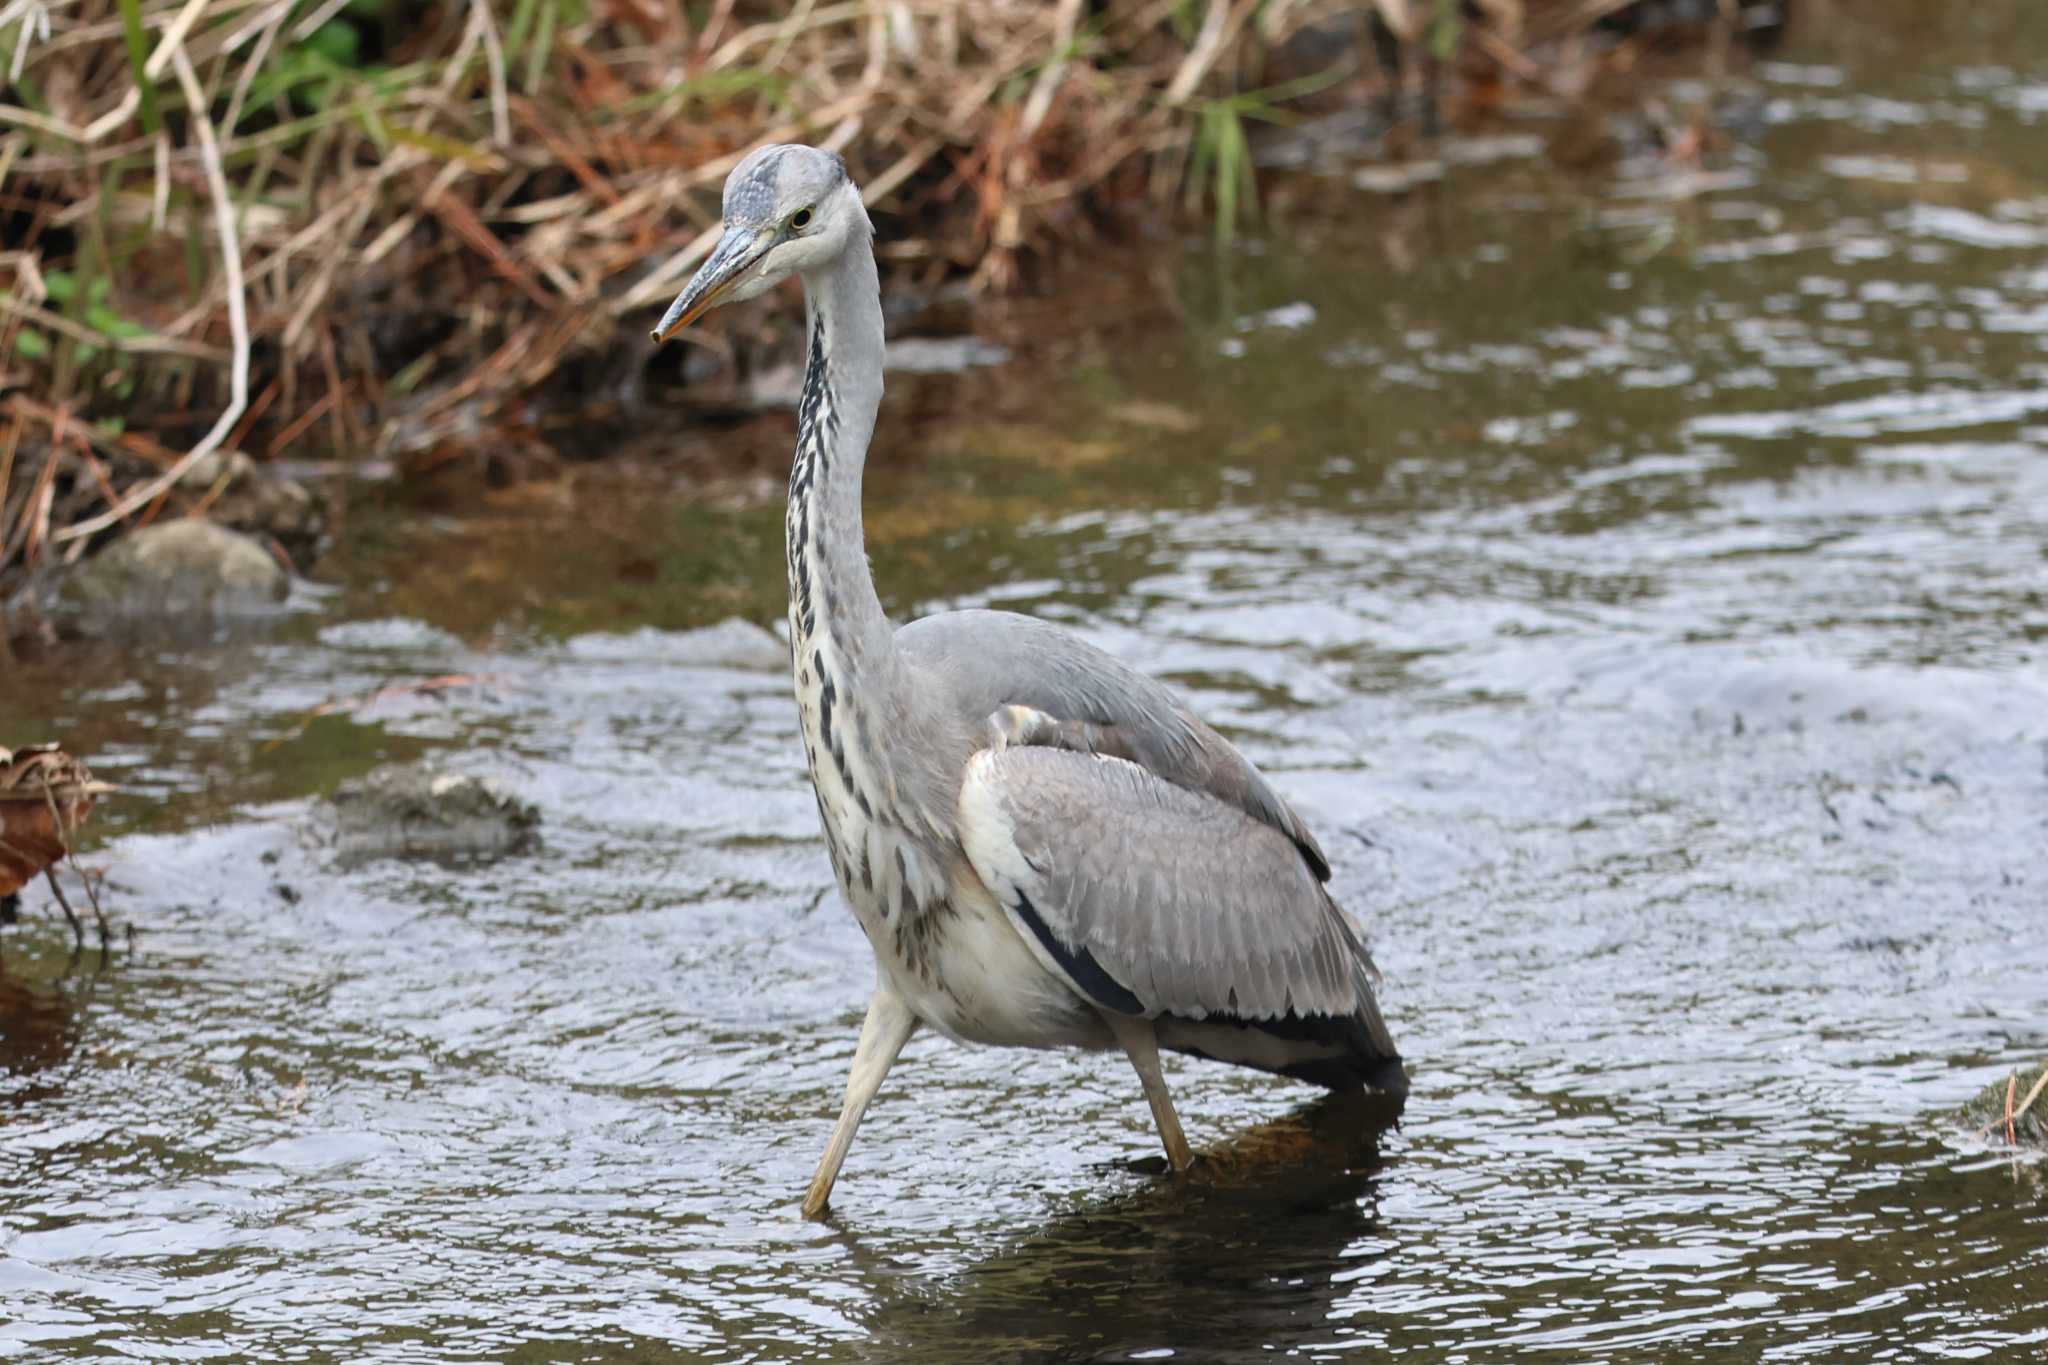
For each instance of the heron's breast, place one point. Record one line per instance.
(970, 975)
(939, 936)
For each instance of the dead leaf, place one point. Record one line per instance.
(1147, 412)
(45, 794)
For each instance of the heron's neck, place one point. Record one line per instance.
(831, 590)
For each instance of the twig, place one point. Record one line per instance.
(307, 26)
(883, 185)
(128, 443)
(35, 23)
(77, 925)
(35, 513)
(419, 687)
(1054, 71)
(168, 46)
(42, 123)
(282, 441)
(270, 25)
(465, 224)
(2032, 1095)
(91, 894)
(578, 164)
(790, 28)
(279, 11)
(63, 828)
(173, 43)
(1219, 25)
(150, 343)
(494, 60)
(238, 317)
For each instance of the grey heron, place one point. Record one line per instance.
(1044, 847)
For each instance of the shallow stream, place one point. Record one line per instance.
(1637, 574)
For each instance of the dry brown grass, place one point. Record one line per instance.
(220, 232)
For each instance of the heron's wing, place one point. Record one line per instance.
(990, 659)
(1155, 899)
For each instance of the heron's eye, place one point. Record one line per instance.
(800, 220)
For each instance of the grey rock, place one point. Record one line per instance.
(732, 643)
(419, 811)
(943, 355)
(780, 384)
(178, 568)
(263, 503)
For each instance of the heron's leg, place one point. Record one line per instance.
(1141, 1044)
(888, 1027)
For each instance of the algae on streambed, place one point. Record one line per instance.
(2012, 1109)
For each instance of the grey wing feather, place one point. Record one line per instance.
(988, 659)
(1185, 903)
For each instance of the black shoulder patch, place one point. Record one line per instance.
(1080, 964)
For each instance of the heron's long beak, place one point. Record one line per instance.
(738, 249)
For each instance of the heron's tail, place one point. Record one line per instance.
(1375, 1059)
(1336, 1051)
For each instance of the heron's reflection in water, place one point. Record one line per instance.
(38, 1031)
(1263, 1224)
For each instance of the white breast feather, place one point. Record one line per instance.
(989, 835)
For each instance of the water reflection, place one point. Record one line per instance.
(39, 1029)
(1123, 1277)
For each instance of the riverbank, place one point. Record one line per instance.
(400, 242)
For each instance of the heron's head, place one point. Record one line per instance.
(788, 209)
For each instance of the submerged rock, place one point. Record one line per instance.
(1986, 1113)
(182, 568)
(418, 811)
(732, 643)
(262, 502)
(942, 355)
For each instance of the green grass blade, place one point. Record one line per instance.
(138, 57)
(515, 32)
(1200, 159)
(1229, 149)
(1444, 33)
(543, 46)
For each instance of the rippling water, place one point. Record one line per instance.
(1639, 582)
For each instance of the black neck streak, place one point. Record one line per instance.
(817, 424)
(822, 663)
